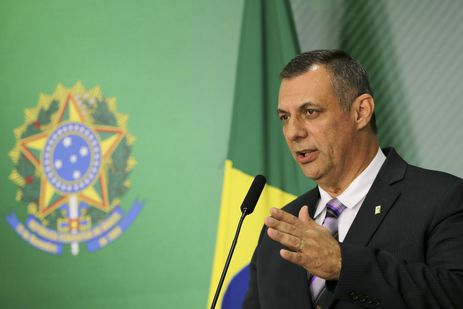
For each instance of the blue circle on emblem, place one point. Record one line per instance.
(72, 157)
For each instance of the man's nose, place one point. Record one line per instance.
(295, 129)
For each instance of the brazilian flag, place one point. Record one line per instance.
(256, 145)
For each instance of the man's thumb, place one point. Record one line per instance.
(304, 214)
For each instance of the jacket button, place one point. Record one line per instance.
(362, 298)
(353, 296)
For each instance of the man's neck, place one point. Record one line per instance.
(360, 161)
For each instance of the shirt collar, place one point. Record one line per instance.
(358, 188)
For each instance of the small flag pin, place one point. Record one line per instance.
(378, 210)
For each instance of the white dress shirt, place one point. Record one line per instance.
(352, 197)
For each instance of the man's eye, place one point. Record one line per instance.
(311, 112)
(284, 117)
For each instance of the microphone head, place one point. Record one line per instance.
(253, 194)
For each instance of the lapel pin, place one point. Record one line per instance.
(378, 210)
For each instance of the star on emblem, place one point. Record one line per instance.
(71, 159)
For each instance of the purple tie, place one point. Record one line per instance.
(334, 208)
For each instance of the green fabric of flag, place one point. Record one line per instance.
(268, 42)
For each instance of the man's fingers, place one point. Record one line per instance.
(282, 215)
(293, 257)
(308, 244)
(281, 226)
(290, 241)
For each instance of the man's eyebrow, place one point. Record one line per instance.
(300, 108)
(307, 105)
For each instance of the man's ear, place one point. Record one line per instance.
(362, 110)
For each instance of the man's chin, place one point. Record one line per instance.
(310, 172)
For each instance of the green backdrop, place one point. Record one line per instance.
(171, 66)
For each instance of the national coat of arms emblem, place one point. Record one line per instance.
(73, 158)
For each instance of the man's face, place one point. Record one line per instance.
(319, 133)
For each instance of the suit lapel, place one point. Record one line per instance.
(377, 204)
(312, 200)
(379, 200)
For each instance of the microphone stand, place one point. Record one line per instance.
(230, 254)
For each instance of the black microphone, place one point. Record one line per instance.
(250, 201)
(247, 207)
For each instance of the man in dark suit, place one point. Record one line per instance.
(376, 232)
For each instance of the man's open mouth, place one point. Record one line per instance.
(306, 155)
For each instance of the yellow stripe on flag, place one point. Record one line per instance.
(235, 186)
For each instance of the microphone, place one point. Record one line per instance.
(247, 207)
(250, 201)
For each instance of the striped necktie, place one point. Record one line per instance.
(333, 209)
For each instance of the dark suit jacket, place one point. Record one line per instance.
(408, 256)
